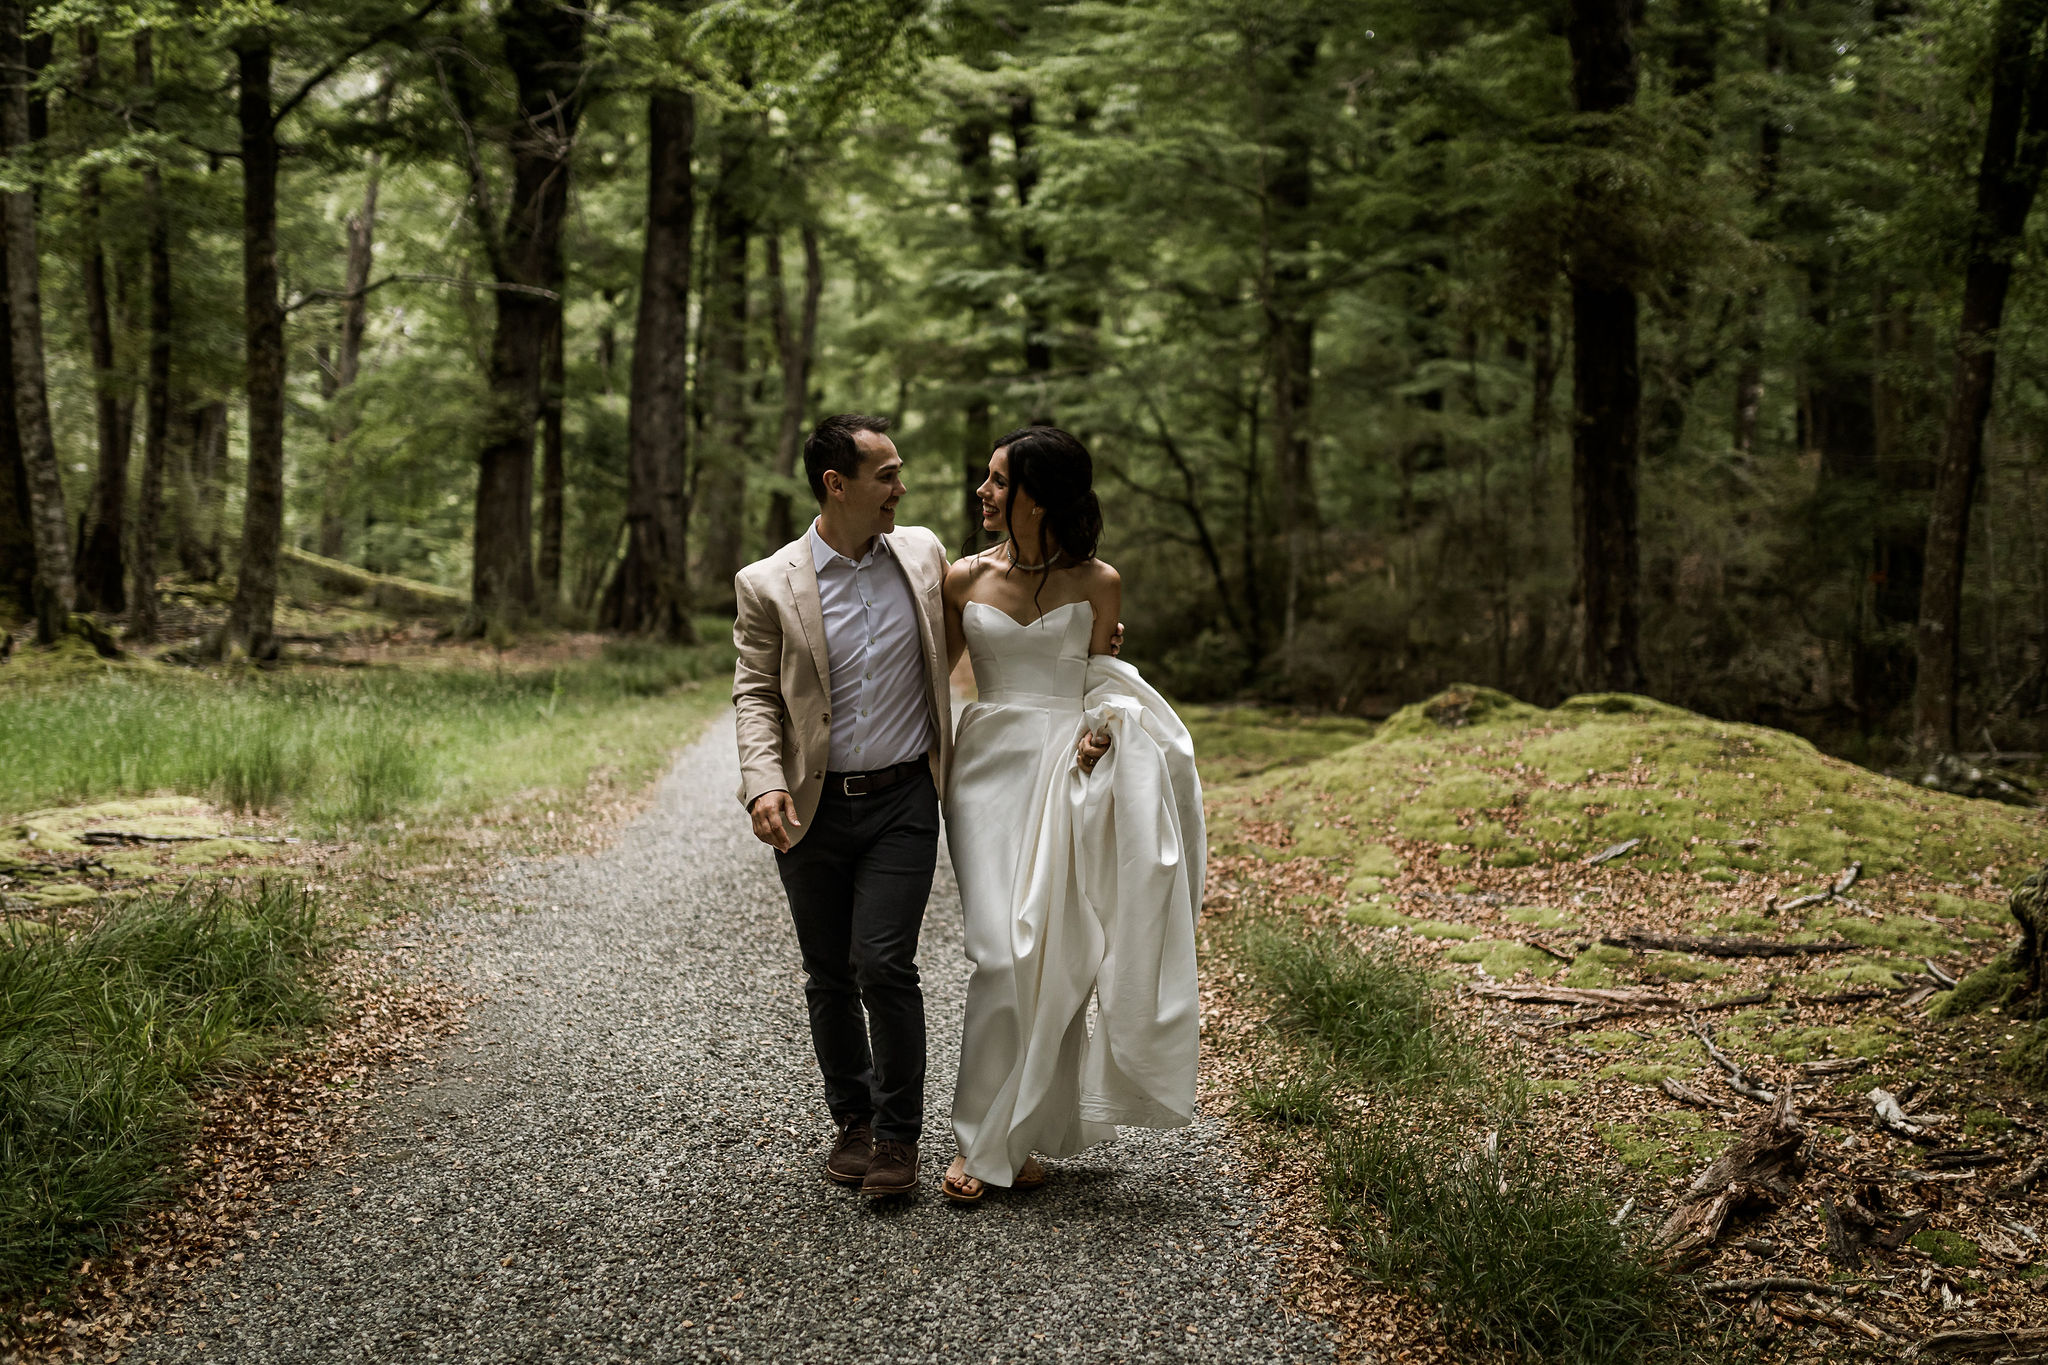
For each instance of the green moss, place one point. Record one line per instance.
(1376, 916)
(1684, 967)
(1236, 742)
(1436, 928)
(1947, 1248)
(1595, 966)
(1359, 887)
(1466, 888)
(1959, 907)
(1454, 860)
(1866, 972)
(1556, 1087)
(2027, 1058)
(1984, 1121)
(1699, 794)
(1519, 855)
(1542, 916)
(1502, 960)
(1906, 935)
(1997, 982)
(1375, 860)
(207, 852)
(1463, 706)
(1868, 1036)
(61, 893)
(1719, 874)
(1669, 1144)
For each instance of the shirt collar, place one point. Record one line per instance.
(823, 554)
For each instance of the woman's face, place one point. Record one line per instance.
(995, 490)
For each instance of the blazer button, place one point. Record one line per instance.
(827, 718)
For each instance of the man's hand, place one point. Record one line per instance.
(774, 816)
(1090, 750)
(1116, 641)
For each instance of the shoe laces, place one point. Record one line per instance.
(890, 1147)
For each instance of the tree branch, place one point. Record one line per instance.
(312, 82)
(342, 295)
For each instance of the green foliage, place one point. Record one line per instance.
(106, 1031)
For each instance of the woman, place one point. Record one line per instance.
(1080, 861)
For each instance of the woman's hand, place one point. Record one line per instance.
(1090, 750)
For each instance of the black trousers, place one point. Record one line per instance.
(857, 885)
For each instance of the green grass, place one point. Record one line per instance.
(350, 748)
(105, 1033)
(1516, 1254)
(1371, 1018)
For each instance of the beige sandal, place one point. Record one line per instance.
(1029, 1176)
(961, 1189)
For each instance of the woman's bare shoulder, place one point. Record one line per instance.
(1100, 573)
(965, 571)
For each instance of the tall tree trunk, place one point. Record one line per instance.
(723, 461)
(199, 465)
(18, 556)
(1749, 366)
(650, 592)
(794, 343)
(1031, 253)
(544, 48)
(553, 493)
(156, 419)
(1606, 387)
(54, 588)
(1291, 341)
(2008, 177)
(977, 172)
(348, 355)
(101, 585)
(249, 629)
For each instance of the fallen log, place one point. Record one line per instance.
(1685, 1094)
(1759, 1170)
(1719, 946)
(1573, 995)
(2026, 1179)
(1733, 1002)
(1771, 1284)
(1981, 1343)
(1891, 1116)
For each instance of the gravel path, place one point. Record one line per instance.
(619, 1161)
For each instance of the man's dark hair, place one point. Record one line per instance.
(831, 446)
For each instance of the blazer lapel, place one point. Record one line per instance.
(810, 610)
(927, 629)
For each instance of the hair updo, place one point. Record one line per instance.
(1056, 470)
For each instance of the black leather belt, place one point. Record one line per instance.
(875, 780)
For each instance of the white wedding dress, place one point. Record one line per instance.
(1072, 885)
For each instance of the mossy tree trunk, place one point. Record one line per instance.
(795, 342)
(156, 419)
(102, 582)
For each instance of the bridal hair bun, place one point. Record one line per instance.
(1057, 471)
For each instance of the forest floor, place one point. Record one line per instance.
(1465, 840)
(485, 1003)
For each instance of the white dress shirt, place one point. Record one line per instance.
(881, 707)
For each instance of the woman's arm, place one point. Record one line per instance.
(1106, 592)
(958, 578)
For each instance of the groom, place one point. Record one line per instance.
(845, 731)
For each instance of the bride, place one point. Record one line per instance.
(1074, 818)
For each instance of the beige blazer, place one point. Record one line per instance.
(782, 684)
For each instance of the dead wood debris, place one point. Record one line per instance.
(1610, 853)
(1980, 1344)
(1721, 946)
(1758, 1171)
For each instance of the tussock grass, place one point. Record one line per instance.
(106, 1031)
(1516, 1255)
(1370, 1017)
(1428, 1179)
(342, 748)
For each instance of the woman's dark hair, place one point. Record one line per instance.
(1056, 470)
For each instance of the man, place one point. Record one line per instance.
(845, 731)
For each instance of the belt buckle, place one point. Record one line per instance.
(847, 788)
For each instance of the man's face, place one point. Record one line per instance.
(870, 496)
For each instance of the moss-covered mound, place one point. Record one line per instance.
(1477, 772)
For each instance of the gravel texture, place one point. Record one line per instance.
(620, 1161)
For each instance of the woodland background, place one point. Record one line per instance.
(1690, 347)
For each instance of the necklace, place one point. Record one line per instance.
(1044, 564)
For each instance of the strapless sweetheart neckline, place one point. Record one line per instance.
(1026, 625)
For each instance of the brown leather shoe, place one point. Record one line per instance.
(893, 1169)
(852, 1150)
